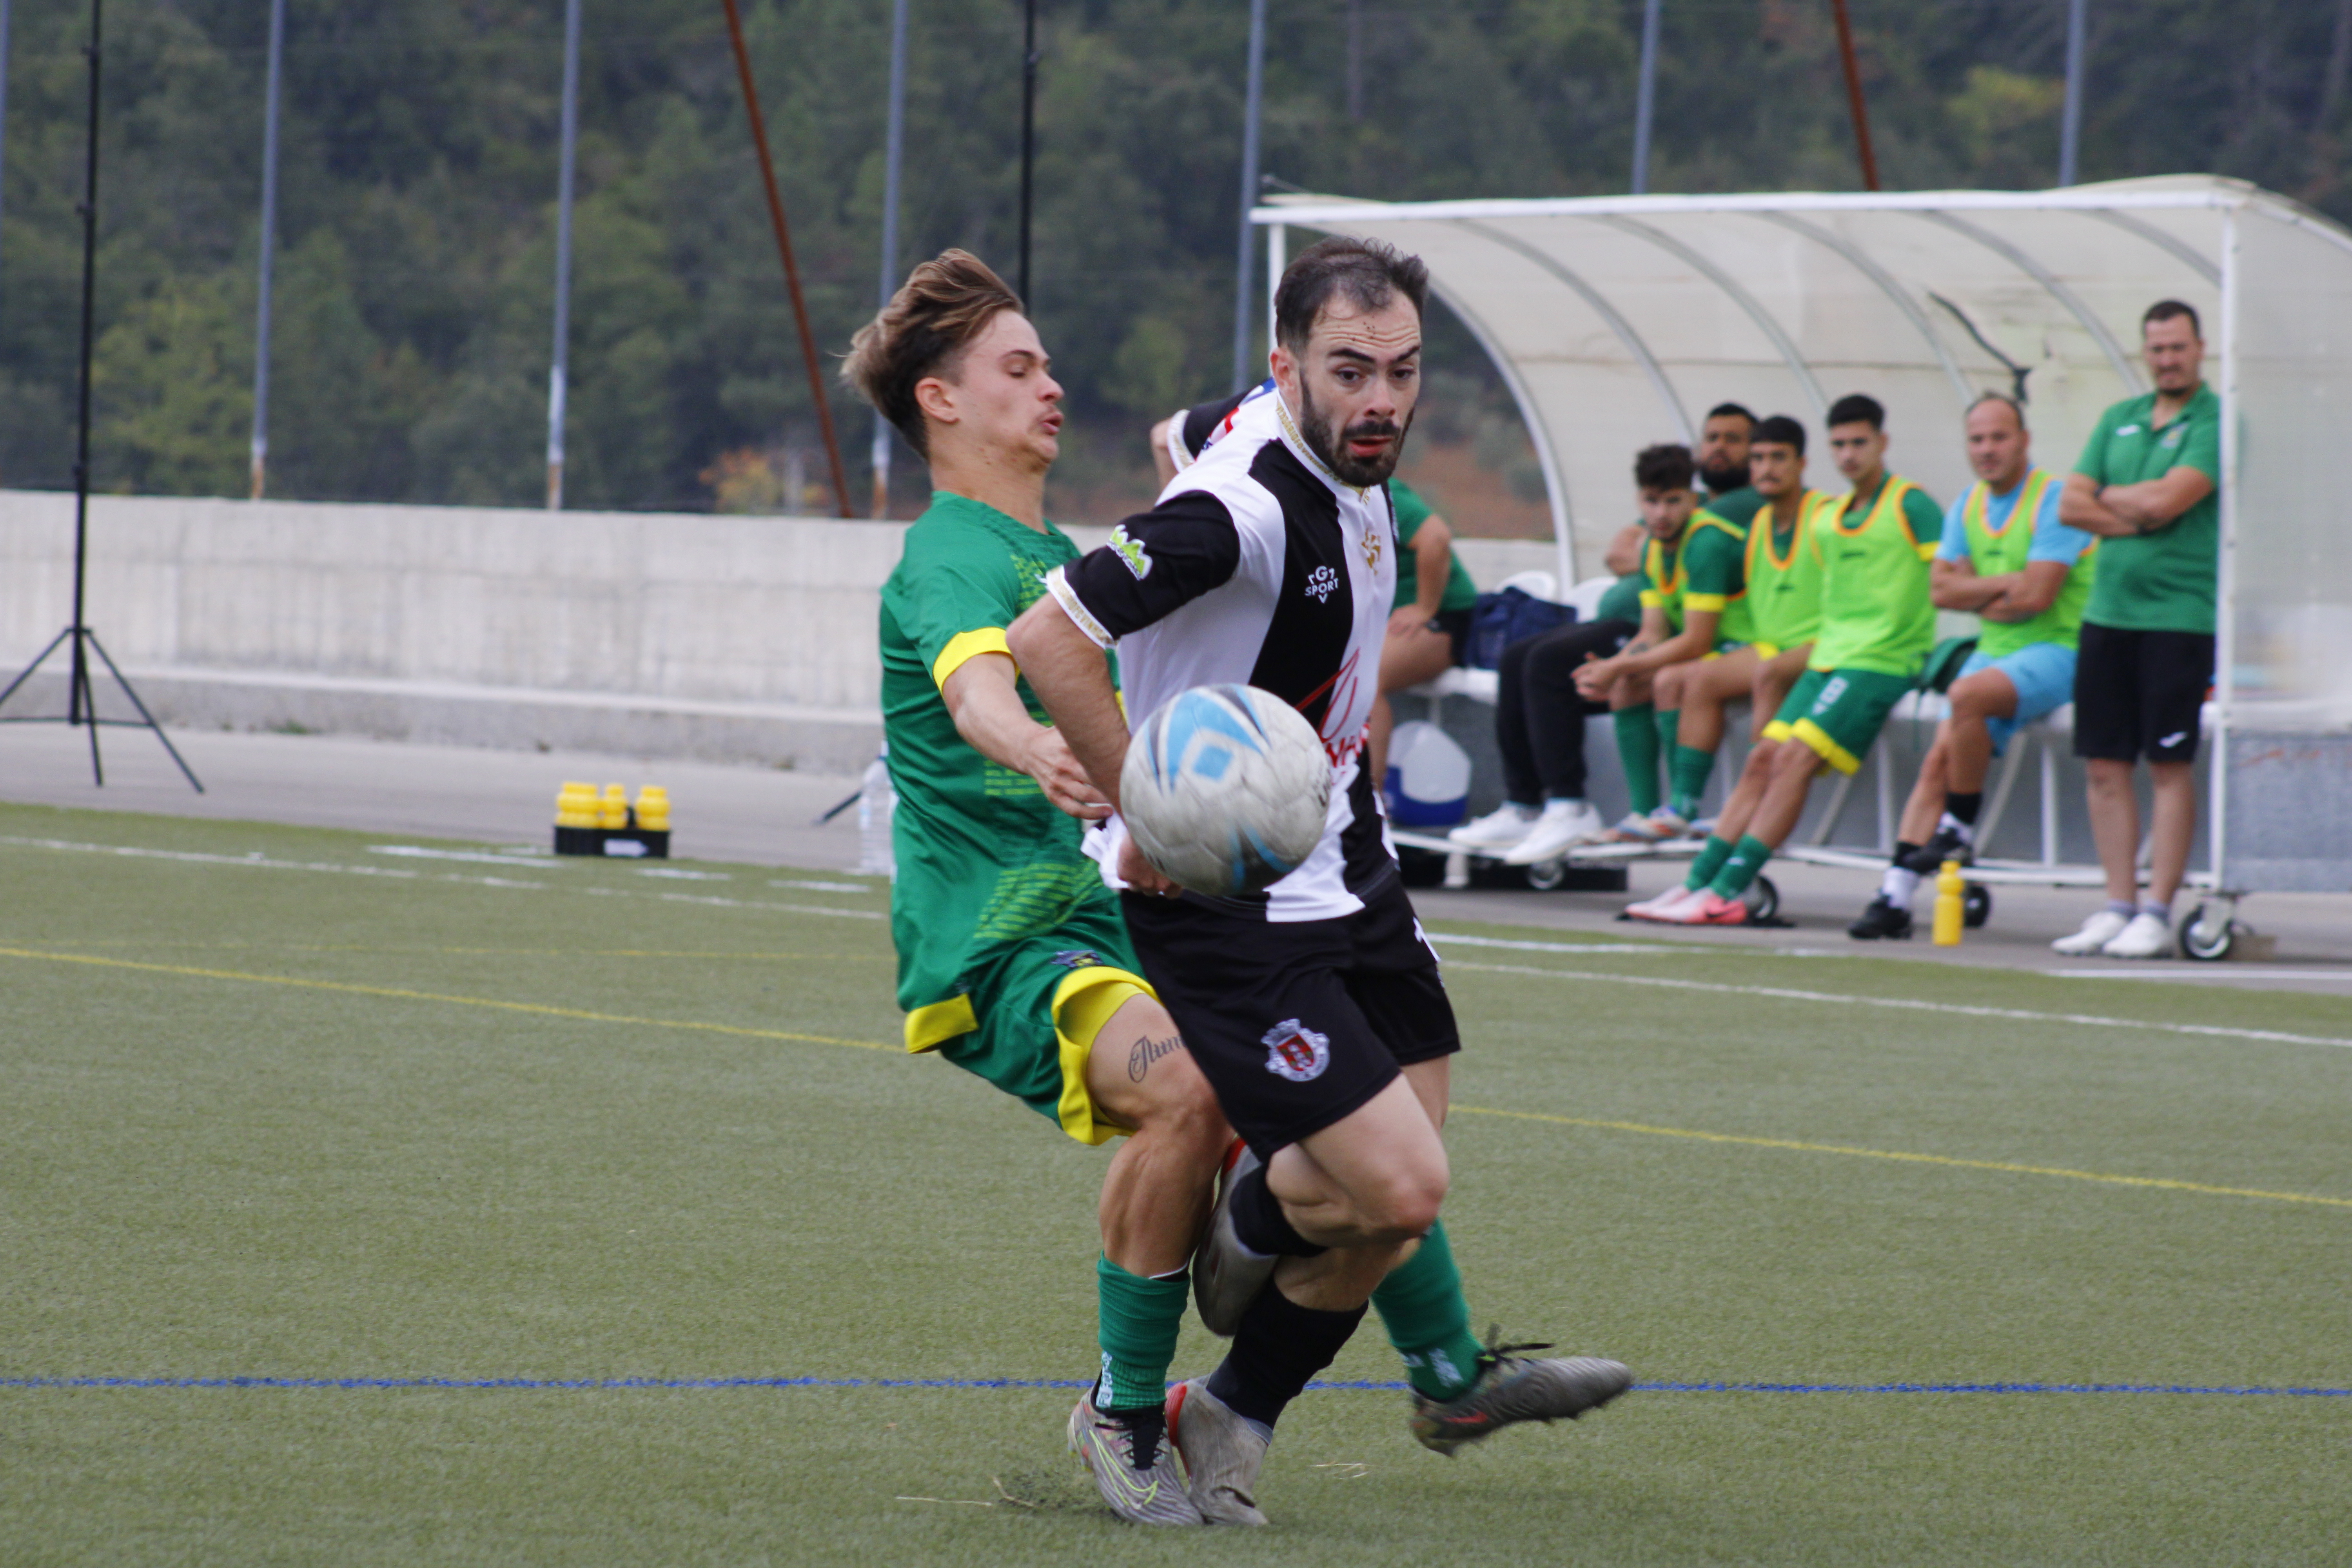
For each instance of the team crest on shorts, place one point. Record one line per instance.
(1295, 1052)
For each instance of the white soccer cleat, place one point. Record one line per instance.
(1500, 828)
(1222, 1454)
(1133, 1464)
(2147, 936)
(1564, 825)
(2098, 931)
(1665, 904)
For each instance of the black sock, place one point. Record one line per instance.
(1259, 1220)
(1277, 1346)
(1904, 851)
(1964, 807)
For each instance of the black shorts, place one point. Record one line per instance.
(1296, 1025)
(2140, 693)
(1455, 625)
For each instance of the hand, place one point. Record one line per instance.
(1595, 677)
(1405, 622)
(1066, 784)
(1140, 874)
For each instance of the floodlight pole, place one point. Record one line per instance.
(268, 244)
(1028, 139)
(1251, 108)
(1853, 97)
(2070, 126)
(1645, 97)
(894, 148)
(558, 374)
(82, 702)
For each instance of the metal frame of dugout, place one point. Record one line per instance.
(1617, 321)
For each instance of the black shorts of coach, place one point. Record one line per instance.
(2140, 693)
(1298, 1024)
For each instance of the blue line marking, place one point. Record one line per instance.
(598, 1384)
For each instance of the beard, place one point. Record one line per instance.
(1332, 445)
(1724, 480)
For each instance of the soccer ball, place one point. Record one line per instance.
(1224, 789)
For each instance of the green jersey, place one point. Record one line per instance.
(1996, 551)
(1412, 511)
(1623, 602)
(1780, 604)
(1738, 507)
(1702, 570)
(985, 861)
(2163, 581)
(1876, 614)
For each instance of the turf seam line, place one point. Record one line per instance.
(1855, 1151)
(615, 1384)
(1908, 1004)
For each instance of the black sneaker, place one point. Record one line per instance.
(1885, 920)
(1929, 858)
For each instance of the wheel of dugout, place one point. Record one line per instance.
(1763, 901)
(1546, 875)
(2206, 933)
(1976, 906)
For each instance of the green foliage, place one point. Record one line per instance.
(412, 311)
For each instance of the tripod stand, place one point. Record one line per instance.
(82, 701)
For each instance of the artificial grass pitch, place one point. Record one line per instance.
(384, 1207)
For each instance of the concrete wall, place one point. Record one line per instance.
(728, 638)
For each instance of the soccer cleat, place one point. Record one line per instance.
(1564, 825)
(1663, 906)
(1222, 1452)
(1945, 845)
(1510, 1388)
(1635, 827)
(1883, 920)
(1708, 908)
(2147, 936)
(2098, 931)
(1227, 1276)
(1499, 829)
(1133, 1464)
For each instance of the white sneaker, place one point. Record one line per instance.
(1563, 824)
(1498, 829)
(2098, 931)
(2147, 936)
(1663, 906)
(1668, 824)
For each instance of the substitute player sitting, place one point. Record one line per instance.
(1013, 961)
(1877, 626)
(2030, 582)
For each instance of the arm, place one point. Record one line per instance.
(1070, 677)
(2028, 593)
(1626, 551)
(1433, 558)
(2156, 503)
(986, 703)
(1162, 463)
(1955, 585)
(2083, 505)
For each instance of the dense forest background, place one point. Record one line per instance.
(414, 304)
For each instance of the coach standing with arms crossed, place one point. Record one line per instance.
(2149, 484)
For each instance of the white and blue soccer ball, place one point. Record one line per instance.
(1224, 789)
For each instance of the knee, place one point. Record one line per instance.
(2106, 776)
(1404, 1205)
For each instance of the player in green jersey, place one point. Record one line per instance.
(1877, 625)
(1013, 960)
(2007, 557)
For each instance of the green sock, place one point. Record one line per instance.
(1420, 1306)
(1711, 857)
(1690, 769)
(1637, 743)
(1139, 1317)
(1745, 862)
(1670, 723)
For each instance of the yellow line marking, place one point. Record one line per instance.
(2002, 1165)
(540, 1008)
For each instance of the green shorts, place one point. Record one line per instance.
(1027, 1013)
(1838, 713)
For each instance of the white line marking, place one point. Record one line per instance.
(823, 887)
(677, 874)
(418, 852)
(1576, 947)
(2204, 972)
(1910, 1005)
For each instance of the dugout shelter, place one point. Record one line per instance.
(1618, 321)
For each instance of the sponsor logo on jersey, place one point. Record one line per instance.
(2127, 429)
(1321, 583)
(2172, 436)
(1138, 563)
(1295, 1052)
(1078, 958)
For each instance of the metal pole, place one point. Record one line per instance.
(80, 707)
(559, 372)
(1028, 136)
(268, 244)
(5, 30)
(893, 155)
(1853, 98)
(1645, 97)
(2070, 126)
(1250, 112)
(785, 252)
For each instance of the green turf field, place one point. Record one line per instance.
(384, 1128)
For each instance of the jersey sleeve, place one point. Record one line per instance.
(1195, 428)
(1714, 565)
(1156, 563)
(1954, 543)
(2052, 540)
(1926, 519)
(953, 605)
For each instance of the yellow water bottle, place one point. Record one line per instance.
(653, 809)
(1951, 904)
(613, 809)
(575, 806)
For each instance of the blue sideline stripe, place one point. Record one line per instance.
(527, 1383)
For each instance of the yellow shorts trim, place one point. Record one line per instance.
(1084, 1002)
(1829, 751)
(929, 1028)
(1765, 650)
(1776, 730)
(965, 647)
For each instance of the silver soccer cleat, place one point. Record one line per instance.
(1133, 1465)
(1226, 1276)
(1511, 1388)
(1222, 1454)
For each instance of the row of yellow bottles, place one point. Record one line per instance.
(586, 820)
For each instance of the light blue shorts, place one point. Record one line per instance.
(2043, 674)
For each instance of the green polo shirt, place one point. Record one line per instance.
(1412, 511)
(2163, 581)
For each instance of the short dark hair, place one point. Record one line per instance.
(1782, 431)
(1368, 273)
(1856, 408)
(2166, 310)
(1665, 467)
(939, 311)
(1738, 410)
